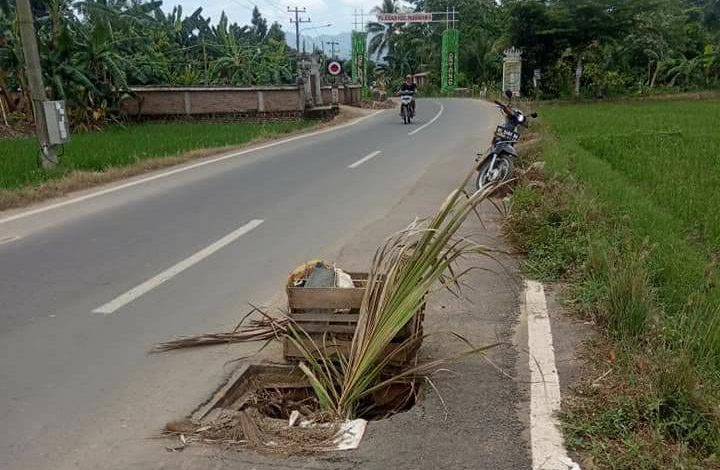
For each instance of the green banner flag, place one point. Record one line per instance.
(450, 49)
(359, 61)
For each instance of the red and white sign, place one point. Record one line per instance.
(404, 17)
(334, 68)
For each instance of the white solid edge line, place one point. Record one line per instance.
(442, 108)
(366, 158)
(548, 450)
(173, 271)
(130, 184)
(9, 239)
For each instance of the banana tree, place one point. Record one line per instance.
(235, 66)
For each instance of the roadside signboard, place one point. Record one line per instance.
(404, 17)
(359, 61)
(334, 68)
(450, 49)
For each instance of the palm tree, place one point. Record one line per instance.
(383, 34)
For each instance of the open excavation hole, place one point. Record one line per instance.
(275, 391)
(255, 406)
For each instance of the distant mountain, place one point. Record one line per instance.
(343, 50)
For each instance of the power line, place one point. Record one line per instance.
(275, 5)
(241, 5)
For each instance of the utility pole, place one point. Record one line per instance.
(332, 45)
(298, 20)
(35, 81)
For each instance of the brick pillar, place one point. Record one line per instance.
(301, 95)
(188, 108)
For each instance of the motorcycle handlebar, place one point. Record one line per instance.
(509, 111)
(505, 108)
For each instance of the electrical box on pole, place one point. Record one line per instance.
(35, 81)
(56, 120)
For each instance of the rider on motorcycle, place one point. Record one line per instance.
(409, 88)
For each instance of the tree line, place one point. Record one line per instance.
(92, 51)
(621, 46)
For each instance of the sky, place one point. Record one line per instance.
(339, 13)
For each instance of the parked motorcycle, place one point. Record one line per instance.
(406, 110)
(496, 165)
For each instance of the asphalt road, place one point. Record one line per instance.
(88, 287)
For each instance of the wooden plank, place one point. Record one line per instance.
(343, 347)
(324, 298)
(324, 328)
(325, 317)
(283, 385)
(363, 276)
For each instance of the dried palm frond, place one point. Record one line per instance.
(264, 329)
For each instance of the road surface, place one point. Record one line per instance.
(87, 287)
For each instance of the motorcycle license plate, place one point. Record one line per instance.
(507, 134)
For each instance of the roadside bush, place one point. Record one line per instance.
(543, 224)
(676, 407)
(630, 300)
(701, 332)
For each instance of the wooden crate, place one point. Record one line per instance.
(315, 310)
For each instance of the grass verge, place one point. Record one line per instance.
(95, 158)
(628, 220)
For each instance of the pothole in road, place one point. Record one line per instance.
(275, 391)
(273, 407)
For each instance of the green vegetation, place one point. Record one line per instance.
(93, 50)
(624, 46)
(122, 146)
(630, 220)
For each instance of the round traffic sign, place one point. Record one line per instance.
(334, 68)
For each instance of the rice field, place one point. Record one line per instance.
(125, 145)
(658, 165)
(631, 221)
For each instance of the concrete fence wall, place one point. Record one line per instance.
(346, 95)
(156, 102)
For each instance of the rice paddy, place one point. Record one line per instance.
(126, 145)
(629, 220)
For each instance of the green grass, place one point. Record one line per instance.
(631, 221)
(658, 165)
(120, 146)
